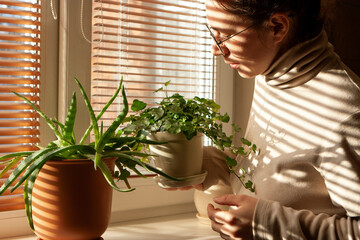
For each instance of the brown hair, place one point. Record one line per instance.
(306, 14)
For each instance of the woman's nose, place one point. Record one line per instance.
(217, 52)
(216, 49)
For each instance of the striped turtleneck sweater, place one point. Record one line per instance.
(305, 120)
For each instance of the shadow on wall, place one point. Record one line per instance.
(342, 29)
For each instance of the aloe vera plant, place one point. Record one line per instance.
(110, 143)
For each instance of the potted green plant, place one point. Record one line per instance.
(83, 210)
(182, 123)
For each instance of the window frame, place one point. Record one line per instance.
(61, 61)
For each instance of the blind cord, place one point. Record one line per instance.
(53, 10)
(82, 24)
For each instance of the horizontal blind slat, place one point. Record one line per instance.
(146, 8)
(100, 24)
(19, 38)
(9, 196)
(146, 30)
(151, 53)
(12, 11)
(116, 4)
(20, 4)
(151, 75)
(15, 72)
(19, 148)
(19, 106)
(18, 140)
(19, 131)
(98, 35)
(20, 23)
(19, 88)
(17, 80)
(103, 60)
(149, 16)
(17, 46)
(151, 68)
(19, 123)
(14, 29)
(23, 55)
(13, 205)
(11, 199)
(153, 47)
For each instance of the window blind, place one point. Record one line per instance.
(20, 72)
(148, 43)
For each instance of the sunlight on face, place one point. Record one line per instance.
(251, 52)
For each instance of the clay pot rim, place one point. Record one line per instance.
(68, 161)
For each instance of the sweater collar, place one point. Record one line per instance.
(300, 63)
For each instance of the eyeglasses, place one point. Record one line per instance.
(220, 42)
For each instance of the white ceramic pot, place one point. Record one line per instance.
(203, 198)
(179, 158)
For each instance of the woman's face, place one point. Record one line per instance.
(250, 52)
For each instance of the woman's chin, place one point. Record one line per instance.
(246, 74)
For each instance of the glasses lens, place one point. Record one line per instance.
(219, 46)
(216, 41)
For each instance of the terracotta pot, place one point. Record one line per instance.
(178, 158)
(71, 200)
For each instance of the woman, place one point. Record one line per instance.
(305, 119)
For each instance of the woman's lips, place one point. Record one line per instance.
(234, 65)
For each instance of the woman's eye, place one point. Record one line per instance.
(223, 36)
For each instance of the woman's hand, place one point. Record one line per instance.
(237, 222)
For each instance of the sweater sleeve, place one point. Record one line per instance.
(340, 168)
(273, 221)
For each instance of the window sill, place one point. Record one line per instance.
(147, 201)
(174, 227)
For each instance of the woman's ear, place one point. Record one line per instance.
(279, 25)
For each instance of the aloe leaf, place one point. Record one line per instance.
(142, 164)
(138, 154)
(11, 155)
(22, 167)
(102, 111)
(137, 172)
(124, 174)
(70, 120)
(28, 189)
(93, 119)
(112, 128)
(14, 161)
(125, 156)
(43, 115)
(108, 176)
(59, 125)
(155, 170)
(47, 156)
